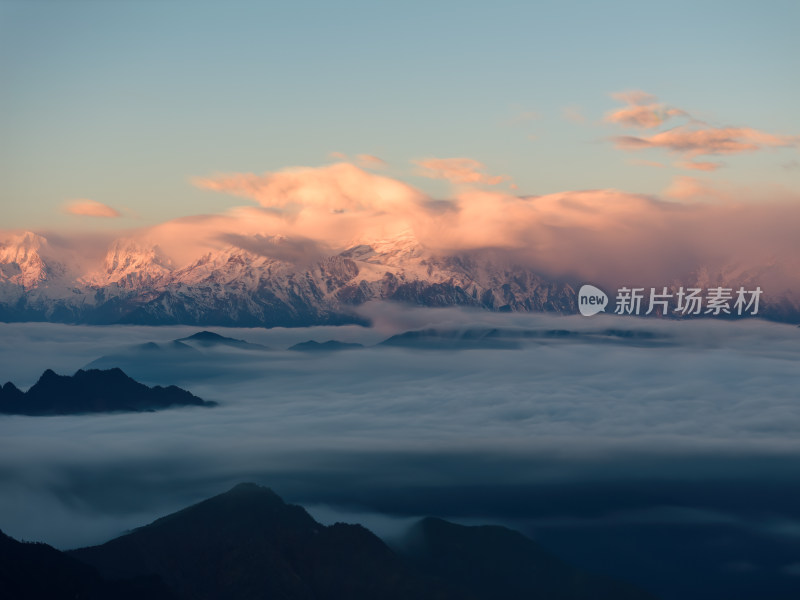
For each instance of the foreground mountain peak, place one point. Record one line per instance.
(247, 543)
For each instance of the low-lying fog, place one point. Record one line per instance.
(632, 421)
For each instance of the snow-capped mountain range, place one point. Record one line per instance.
(138, 283)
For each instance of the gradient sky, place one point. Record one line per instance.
(124, 103)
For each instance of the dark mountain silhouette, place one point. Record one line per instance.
(329, 346)
(175, 345)
(209, 339)
(33, 571)
(250, 544)
(495, 562)
(90, 392)
(247, 543)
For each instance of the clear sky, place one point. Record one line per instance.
(120, 105)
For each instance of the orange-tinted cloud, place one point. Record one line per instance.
(690, 188)
(643, 110)
(622, 238)
(90, 208)
(338, 188)
(335, 205)
(693, 140)
(458, 170)
(609, 236)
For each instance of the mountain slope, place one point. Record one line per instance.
(32, 571)
(495, 562)
(248, 544)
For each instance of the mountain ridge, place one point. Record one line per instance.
(249, 543)
(91, 391)
(236, 286)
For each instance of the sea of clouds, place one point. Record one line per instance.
(578, 427)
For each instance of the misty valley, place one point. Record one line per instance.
(560, 454)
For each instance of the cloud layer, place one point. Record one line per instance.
(690, 139)
(643, 110)
(90, 208)
(458, 170)
(475, 434)
(607, 236)
(696, 228)
(695, 141)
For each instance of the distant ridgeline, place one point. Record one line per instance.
(138, 284)
(92, 391)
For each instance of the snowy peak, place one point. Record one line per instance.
(263, 280)
(130, 264)
(394, 251)
(402, 256)
(228, 266)
(128, 254)
(24, 261)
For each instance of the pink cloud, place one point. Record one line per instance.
(695, 141)
(648, 116)
(458, 170)
(690, 188)
(336, 205)
(90, 208)
(692, 139)
(610, 236)
(643, 110)
(338, 188)
(619, 237)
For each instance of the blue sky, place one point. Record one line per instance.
(124, 103)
